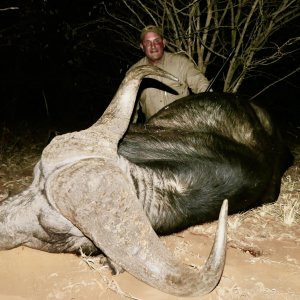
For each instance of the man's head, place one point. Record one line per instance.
(152, 43)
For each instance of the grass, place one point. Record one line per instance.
(99, 265)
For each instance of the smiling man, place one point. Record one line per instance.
(155, 96)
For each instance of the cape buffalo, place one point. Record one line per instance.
(106, 188)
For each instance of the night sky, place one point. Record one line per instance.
(55, 76)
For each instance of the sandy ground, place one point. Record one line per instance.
(263, 256)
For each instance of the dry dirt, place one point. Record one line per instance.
(263, 253)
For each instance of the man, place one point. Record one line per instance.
(155, 96)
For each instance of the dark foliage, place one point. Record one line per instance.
(51, 69)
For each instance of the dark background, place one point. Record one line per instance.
(59, 68)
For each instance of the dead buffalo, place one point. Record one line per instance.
(105, 189)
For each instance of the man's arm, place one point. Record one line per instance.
(195, 79)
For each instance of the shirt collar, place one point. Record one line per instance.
(161, 62)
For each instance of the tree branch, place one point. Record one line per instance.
(275, 82)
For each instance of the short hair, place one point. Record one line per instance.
(151, 28)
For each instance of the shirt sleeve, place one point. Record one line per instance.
(195, 79)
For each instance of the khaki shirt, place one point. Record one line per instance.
(152, 99)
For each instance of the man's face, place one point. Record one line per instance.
(153, 46)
